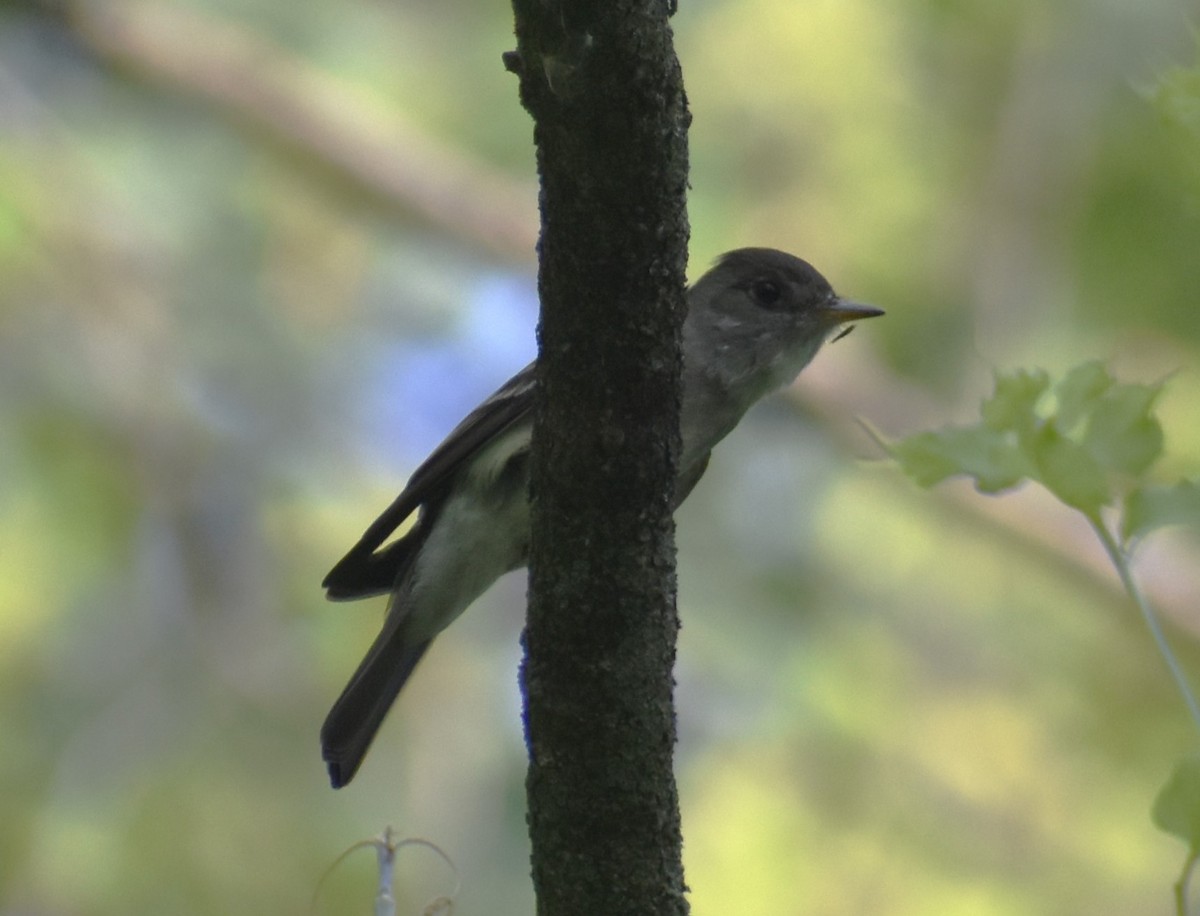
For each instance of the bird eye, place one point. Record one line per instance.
(766, 292)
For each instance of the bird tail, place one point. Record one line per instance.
(351, 725)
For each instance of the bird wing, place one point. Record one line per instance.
(366, 570)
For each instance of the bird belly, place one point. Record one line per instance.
(480, 533)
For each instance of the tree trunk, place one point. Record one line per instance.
(604, 87)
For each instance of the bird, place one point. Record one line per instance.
(753, 322)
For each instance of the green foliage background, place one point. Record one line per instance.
(890, 700)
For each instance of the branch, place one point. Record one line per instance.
(308, 110)
(604, 88)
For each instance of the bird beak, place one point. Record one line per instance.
(839, 311)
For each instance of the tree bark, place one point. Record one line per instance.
(604, 87)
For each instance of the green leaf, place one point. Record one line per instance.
(1177, 808)
(990, 457)
(1078, 393)
(1012, 405)
(1122, 434)
(1100, 432)
(1151, 507)
(924, 458)
(1068, 470)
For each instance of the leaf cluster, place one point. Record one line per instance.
(1087, 438)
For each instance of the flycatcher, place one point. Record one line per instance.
(754, 321)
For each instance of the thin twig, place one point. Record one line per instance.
(1121, 562)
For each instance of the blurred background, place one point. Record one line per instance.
(257, 257)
